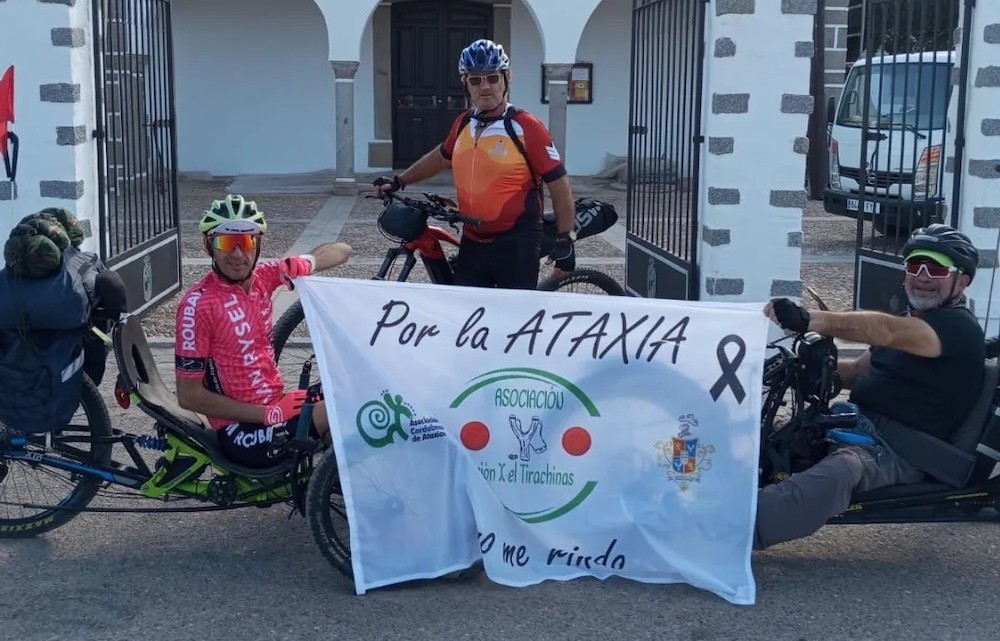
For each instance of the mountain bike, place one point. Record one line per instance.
(412, 238)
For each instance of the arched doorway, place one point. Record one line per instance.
(427, 95)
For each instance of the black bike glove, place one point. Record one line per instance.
(395, 183)
(563, 253)
(791, 316)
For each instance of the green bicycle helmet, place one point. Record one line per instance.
(233, 215)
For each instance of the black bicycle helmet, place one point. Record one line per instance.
(947, 240)
(401, 222)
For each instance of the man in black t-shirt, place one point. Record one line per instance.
(923, 373)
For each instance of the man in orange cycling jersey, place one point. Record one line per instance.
(500, 156)
(224, 360)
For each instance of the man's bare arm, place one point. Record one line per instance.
(562, 204)
(330, 255)
(193, 396)
(905, 333)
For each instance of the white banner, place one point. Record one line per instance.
(553, 435)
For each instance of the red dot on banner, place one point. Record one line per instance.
(576, 441)
(475, 435)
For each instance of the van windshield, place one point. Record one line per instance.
(910, 94)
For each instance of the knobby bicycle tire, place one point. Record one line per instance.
(324, 481)
(84, 488)
(583, 276)
(285, 325)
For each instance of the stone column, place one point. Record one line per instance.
(751, 195)
(54, 97)
(345, 183)
(835, 45)
(558, 76)
(979, 168)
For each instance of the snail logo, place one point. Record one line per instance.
(683, 456)
(537, 472)
(380, 422)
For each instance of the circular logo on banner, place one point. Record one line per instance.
(147, 278)
(537, 427)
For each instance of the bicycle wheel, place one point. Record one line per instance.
(326, 514)
(24, 483)
(583, 281)
(293, 345)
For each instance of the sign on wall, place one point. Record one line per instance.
(551, 435)
(8, 139)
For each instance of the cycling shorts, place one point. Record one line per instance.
(252, 444)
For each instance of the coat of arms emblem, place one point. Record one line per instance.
(684, 456)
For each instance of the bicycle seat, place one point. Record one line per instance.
(140, 375)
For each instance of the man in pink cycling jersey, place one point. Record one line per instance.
(224, 359)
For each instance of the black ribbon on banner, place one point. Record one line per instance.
(729, 369)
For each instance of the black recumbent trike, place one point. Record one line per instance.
(801, 382)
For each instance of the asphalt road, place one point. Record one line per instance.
(255, 575)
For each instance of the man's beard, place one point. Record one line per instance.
(923, 301)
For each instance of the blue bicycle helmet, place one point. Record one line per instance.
(483, 56)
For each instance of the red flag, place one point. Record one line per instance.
(6, 107)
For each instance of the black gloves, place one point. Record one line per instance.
(562, 253)
(791, 316)
(395, 184)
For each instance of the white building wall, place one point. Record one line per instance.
(601, 128)
(273, 61)
(525, 52)
(254, 87)
(979, 203)
(51, 51)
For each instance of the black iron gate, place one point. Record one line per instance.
(133, 60)
(664, 148)
(894, 135)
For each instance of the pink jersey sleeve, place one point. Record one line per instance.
(193, 336)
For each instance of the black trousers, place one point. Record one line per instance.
(510, 261)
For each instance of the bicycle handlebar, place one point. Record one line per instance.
(436, 207)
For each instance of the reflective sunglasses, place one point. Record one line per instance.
(931, 268)
(228, 242)
(475, 81)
